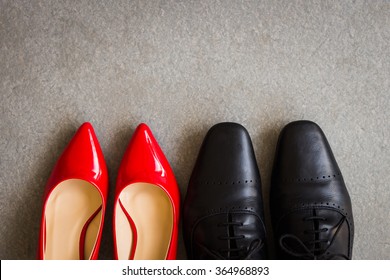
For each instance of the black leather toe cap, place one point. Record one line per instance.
(304, 153)
(226, 155)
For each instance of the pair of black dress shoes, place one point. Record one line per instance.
(310, 206)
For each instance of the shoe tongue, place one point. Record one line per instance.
(226, 236)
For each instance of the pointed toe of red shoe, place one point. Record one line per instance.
(74, 200)
(144, 160)
(146, 206)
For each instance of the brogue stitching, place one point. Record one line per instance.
(206, 182)
(312, 179)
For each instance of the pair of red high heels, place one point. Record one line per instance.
(146, 205)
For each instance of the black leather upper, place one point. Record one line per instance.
(223, 210)
(310, 205)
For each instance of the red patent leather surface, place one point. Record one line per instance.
(82, 159)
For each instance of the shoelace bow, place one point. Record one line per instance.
(316, 253)
(233, 252)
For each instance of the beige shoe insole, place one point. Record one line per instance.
(144, 216)
(72, 215)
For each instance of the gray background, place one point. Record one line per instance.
(181, 67)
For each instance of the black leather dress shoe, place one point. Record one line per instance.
(223, 210)
(310, 205)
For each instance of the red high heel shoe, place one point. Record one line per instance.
(75, 201)
(146, 205)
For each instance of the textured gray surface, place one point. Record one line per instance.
(182, 66)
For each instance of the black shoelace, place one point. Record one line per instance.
(233, 251)
(317, 252)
